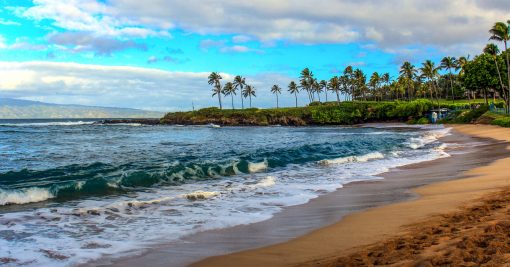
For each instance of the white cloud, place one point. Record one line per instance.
(391, 24)
(120, 86)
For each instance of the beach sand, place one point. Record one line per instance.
(448, 221)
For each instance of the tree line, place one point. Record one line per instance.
(486, 75)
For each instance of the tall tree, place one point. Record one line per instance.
(214, 80)
(449, 63)
(276, 90)
(374, 84)
(334, 85)
(316, 88)
(249, 91)
(306, 82)
(293, 89)
(324, 87)
(430, 72)
(409, 72)
(239, 83)
(229, 90)
(501, 32)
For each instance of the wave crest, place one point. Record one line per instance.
(24, 196)
(343, 160)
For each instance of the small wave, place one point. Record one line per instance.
(201, 195)
(257, 167)
(24, 196)
(53, 123)
(363, 158)
(427, 138)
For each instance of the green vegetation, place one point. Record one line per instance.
(498, 119)
(331, 113)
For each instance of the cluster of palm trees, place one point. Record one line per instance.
(353, 85)
(231, 88)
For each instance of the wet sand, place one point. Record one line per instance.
(342, 228)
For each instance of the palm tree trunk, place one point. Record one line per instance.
(337, 97)
(319, 96)
(250, 101)
(219, 100)
(276, 100)
(508, 72)
(242, 101)
(451, 85)
(326, 92)
(232, 96)
(295, 94)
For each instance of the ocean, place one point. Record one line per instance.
(73, 191)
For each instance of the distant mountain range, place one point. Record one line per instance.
(25, 109)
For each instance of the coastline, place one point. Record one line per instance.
(359, 230)
(294, 222)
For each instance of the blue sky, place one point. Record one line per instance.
(157, 54)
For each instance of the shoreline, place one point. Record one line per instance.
(298, 220)
(360, 230)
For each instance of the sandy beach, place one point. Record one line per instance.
(365, 238)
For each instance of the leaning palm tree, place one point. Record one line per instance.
(324, 86)
(501, 32)
(240, 82)
(408, 72)
(276, 90)
(449, 63)
(249, 91)
(492, 50)
(334, 85)
(229, 89)
(293, 89)
(214, 80)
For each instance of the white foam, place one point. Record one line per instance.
(54, 123)
(24, 196)
(254, 167)
(428, 137)
(363, 158)
(267, 182)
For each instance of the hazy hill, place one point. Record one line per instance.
(25, 109)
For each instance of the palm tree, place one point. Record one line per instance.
(229, 89)
(240, 82)
(306, 82)
(276, 90)
(501, 32)
(293, 89)
(408, 71)
(461, 62)
(324, 86)
(360, 80)
(430, 72)
(249, 91)
(316, 88)
(386, 80)
(334, 85)
(493, 50)
(449, 63)
(214, 80)
(374, 83)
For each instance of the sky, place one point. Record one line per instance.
(157, 54)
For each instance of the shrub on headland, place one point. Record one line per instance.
(345, 113)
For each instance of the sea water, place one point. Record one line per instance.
(72, 191)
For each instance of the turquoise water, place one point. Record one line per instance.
(114, 189)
